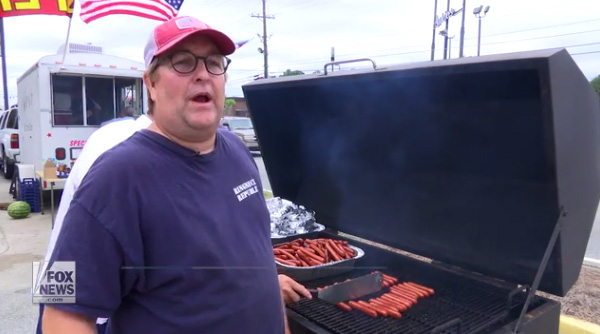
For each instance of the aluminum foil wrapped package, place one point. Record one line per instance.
(289, 219)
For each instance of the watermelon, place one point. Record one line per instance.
(19, 209)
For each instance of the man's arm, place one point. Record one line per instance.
(56, 321)
(292, 291)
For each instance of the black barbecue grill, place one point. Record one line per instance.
(489, 166)
(461, 304)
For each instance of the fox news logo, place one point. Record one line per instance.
(54, 284)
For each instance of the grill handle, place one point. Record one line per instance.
(348, 61)
(456, 322)
(522, 289)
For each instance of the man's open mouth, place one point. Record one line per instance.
(202, 98)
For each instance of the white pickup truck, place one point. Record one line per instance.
(9, 141)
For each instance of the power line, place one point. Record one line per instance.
(584, 53)
(305, 61)
(308, 61)
(546, 27)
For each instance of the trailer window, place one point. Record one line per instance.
(92, 100)
(128, 94)
(67, 100)
(100, 102)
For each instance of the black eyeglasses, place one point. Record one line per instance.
(185, 62)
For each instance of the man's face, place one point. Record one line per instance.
(188, 106)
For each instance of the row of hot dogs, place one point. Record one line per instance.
(312, 252)
(399, 298)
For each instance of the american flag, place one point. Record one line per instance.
(161, 10)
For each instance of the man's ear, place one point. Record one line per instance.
(150, 85)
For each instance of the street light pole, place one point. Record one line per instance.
(479, 39)
(480, 13)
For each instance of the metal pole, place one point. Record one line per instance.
(332, 58)
(264, 6)
(3, 50)
(479, 38)
(446, 37)
(66, 43)
(462, 30)
(449, 48)
(433, 38)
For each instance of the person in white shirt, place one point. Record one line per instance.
(99, 142)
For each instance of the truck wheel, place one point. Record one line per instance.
(7, 168)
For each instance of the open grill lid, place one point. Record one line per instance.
(466, 161)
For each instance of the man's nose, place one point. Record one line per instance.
(201, 73)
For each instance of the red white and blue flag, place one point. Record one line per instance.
(241, 43)
(161, 10)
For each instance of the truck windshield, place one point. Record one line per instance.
(92, 100)
(240, 124)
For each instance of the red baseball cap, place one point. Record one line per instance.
(171, 32)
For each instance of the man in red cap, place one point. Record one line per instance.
(169, 230)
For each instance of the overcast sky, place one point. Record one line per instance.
(303, 32)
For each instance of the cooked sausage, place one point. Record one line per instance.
(405, 291)
(383, 304)
(315, 257)
(378, 308)
(285, 262)
(403, 295)
(287, 253)
(407, 297)
(390, 278)
(387, 282)
(318, 250)
(332, 253)
(363, 309)
(344, 306)
(420, 293)
(396, 300)
(365, 304)
(341, 242)
(395, 314)
(429, 290)
(391, 305)
(351, 252)
(337, 249)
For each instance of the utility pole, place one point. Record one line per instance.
(264, 18)
(462, 30)
(446, 37)
(4, 75)
(434, 27)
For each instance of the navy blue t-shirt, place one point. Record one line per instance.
(169, 241)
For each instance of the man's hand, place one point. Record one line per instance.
(292, 291)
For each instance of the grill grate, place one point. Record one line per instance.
(457, 307)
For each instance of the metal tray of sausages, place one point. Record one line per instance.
(303, 274)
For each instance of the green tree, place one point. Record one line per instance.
(596, 84)
(289, 72)
(229, 103)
